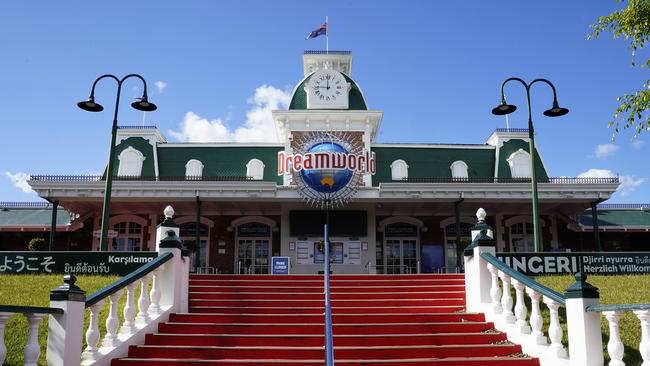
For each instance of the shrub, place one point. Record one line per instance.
(37, 245)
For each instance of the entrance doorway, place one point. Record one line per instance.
(253, 248)
(401, 256)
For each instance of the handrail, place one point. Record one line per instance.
(619, 307)
(29, 309)
(554, 295)
(128, 279)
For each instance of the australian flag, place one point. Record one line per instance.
(318, 32)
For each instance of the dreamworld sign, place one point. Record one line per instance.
(364, 163)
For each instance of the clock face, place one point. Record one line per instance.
(327, 87)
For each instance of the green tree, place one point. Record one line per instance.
(633, 25)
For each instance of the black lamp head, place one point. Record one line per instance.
(556, 111)
(503, 108)
(90, 105)
(143, 104)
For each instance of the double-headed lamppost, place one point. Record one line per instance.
(142, 104)
(555, 111)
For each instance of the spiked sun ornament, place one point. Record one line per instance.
(327, 188)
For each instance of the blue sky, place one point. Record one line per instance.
(433, 67)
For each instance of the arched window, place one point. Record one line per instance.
(458, 169)
(520, 164)
(129, 237)
(521, 237)
(193, 169)
(130, 162)
(255, 169)
(399, 170)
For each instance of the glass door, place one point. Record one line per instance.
(253, 256)
(401, 256)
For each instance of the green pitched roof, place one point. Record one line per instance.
(32, 217)
(356, 101)
(218, 160)
(426, 162)
(621, 218)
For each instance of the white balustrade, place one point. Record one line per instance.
(143, 302)
(644, 345)
(506, 299)
(92, 334)
(112, 321)
(536, 320)
(495, 290)
(521, 312)
(555, 332)
(128, 326)
(4, 317)
(33, 349)
(154, 295)
(615, 346)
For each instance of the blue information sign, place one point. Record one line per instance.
(280, 265)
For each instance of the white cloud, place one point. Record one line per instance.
(629, 183)
(19, 180)
(161, 85)
(258, 127)
(605, 150)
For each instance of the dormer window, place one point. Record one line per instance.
(255, 169)
(519, 163)
(458, 169)
(399, 170)
(130, 163)
(194, 169)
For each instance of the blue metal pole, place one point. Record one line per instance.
(329, 343)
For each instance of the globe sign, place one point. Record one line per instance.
(327, 181)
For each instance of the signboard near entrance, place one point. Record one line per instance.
(90, 263)
(280, 265)
(535, 264)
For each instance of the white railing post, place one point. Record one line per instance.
(555, 332)
(143, 302)
(521, 311)
(92, 334)
(583, 327)
(33, 349)
(154, 295)
(478, 280)
(507, 315)
(537, 336)
(495, 290)
(171, 277)
(644, 345)
(112, 321)
(128, 327)
(615, 347)
(65, 331)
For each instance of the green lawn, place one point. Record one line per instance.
(613, 290)
(34, 290)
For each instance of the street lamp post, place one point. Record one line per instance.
(142, 104)
(555, 111)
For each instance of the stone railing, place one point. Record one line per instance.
(163, 287)
(490, 284)
(34, 316)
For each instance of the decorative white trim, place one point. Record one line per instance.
(514, 158)
(246, 219)
(138, 157)
(398, 219)
(194, 164)
(462, 165)
(399, 170)
(255, 169)
(190, 218)
(451, 220)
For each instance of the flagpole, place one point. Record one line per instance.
(327, 36)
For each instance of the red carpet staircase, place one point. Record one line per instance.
(380, 320)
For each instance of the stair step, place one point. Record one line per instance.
(369, 352)
(320, 302)
(457, 361)
(319, 309)
(334, 289)
(318, 318)
(318, 339)
(378, 328)
(372, 277)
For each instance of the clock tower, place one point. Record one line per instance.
(327, 99)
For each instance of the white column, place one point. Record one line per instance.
(584, 333)
(33, 349)
(615, 347)
(644, 346)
